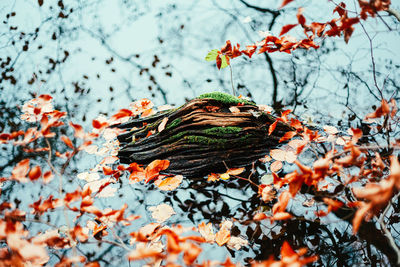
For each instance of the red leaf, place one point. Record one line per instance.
(154, 168)
(284, 3)
(250, 49)
(67, 141)
(98, 125)
(287, 28)
(286, 250)
(340, 9)
(35, 173)
(300, 18)
(122, 113)
(219, 62)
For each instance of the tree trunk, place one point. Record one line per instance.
(202, 136)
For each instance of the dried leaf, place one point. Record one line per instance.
(161, 127)
(278, 154)
(169, 183)
(154, 168)
(330, 129)
(67, 141)
(161, 212)
(276, 166)
(222, 236)
(234, 109)
(235, 171)
(20, 171)
(236, 242)
(206, 231)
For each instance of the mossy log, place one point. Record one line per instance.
(202, 136)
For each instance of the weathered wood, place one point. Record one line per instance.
(202, 136)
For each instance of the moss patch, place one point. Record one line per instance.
(174, 123)
(222, 131)
(206, 140)
(226, 98)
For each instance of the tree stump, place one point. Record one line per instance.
(202, 136)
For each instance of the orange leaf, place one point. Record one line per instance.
(222, 236)
(383, 110)
(282, 203)
(360, 215)
(272, 127)
(260, 216)
(79, 133)
(35, 173)
(169, 183)
(286, 250)
(47, 177)
(280, 216)
(20, 171)
(287, 136)
(235, 171)
(67, 141)
(154, 168)
(333, 204)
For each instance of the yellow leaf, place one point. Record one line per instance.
(224, 176)
(222, 236)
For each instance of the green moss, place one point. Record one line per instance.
(225, 98)
(176, 137)
(206, 140)
(222, 131)
(174, 123)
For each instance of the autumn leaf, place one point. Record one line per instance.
(35, 173)
(272, 127)
(277, 154)
(169, 183)
(287, 136)
(212, 55)
(161, 127)
(154, 168)
(222, 236)
(383, 110)
(237, 242)
(222, 61)
(161, 212)
(285, 2)
(330, 129)
(235, 171)
(276, 166)
(206, 231)
(234, 109)
(78, 129)
(67, 141)
(287, 28)
(20, 171)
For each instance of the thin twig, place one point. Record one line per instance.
(233, 88)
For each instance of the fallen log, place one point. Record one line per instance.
(202, 136)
